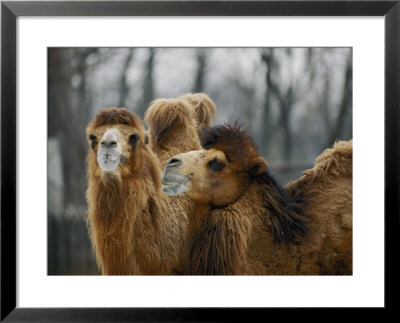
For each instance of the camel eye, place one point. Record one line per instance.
(93, 139)
(133, 139)
(215, 164)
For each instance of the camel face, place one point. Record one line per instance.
(178, 172)
(114, 140)
(114, 146)
(219, 174)
(205, 176)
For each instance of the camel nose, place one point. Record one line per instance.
(108, 144)
(174, 162)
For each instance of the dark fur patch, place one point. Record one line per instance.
(232, 140)
(93, 140)
(286, 220)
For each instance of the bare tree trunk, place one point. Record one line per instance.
(286, 109)
(200, 73)
(148, 84)
(285, 100)
(345, 105)
(67, 118)
(268, 59)
(124, 87)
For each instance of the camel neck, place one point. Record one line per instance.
(125, 217)
(217, 240)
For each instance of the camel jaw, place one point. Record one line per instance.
(174, 190)
(107, 163)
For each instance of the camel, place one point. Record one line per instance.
(134, 227)
(244, 223)
(174, 124)
(203, 107)
(131, 228)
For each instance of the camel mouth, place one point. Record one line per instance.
(174, 190)
(107, 163)
(174, 183)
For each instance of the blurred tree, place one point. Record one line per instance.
(337, 131)
(284, 96)
(124, 86)
(201, 58)
(148, 84)
(69, 103)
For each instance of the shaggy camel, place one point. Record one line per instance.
(203, 107)
(174, 123)
(245, 223)
(134, 227)
(131, 227)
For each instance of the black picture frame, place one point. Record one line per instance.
(10, 10)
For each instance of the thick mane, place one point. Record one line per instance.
(232, 140)
(218, 240)
(115, 116)
(287, 222)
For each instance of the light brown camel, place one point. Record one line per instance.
(132, 228)
(203, 107)
(245, 223)
(174, 123)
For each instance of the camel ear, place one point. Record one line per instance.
(257, 165)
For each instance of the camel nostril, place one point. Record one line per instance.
(111, 144)
(174, 162)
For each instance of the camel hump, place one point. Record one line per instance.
(164, 115)
(335, 161)
(203, 107)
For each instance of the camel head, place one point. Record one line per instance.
(115, 136)
(203, 107)
(220, 173)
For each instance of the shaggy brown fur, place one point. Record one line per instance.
(174, 123)
(204, 109)
(329, 193)
(245, 223)
(132, 228)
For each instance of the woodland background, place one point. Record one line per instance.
(294, 101)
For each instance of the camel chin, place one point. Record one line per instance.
(175, 190)
(108, 161)
(108, 165)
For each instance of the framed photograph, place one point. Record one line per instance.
(298, 76)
